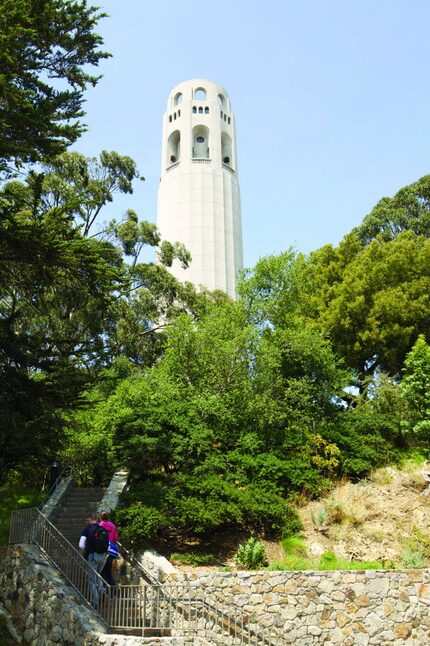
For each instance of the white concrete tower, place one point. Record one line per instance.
(199, 198)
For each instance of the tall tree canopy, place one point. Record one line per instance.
(46, 48)
(372, 301)
(408, 210)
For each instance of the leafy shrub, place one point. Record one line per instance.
(292, 523)
(138, 522)
(251, 555)
(361, 439)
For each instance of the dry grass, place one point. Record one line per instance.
(374, 520)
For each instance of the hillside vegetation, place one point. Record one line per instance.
(384, 518)
(228, 414)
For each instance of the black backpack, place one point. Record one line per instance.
(99, 541)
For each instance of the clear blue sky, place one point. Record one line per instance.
(331, 97)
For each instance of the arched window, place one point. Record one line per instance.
(229, 119)
(178, 99)
(200, 110)
(179, 114)
(200, 94)
(225, 117)
(170, 118)
(174, 115)
(226, 149)
(174, 147)
(206, 110)
(200, 142)
(220, 99)
(194, 109)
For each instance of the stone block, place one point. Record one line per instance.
(402, 630)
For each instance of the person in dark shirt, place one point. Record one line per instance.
(96, 560)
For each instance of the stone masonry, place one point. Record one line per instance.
(384, 608)
(47, 612)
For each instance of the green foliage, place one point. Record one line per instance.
(374, 301)
(292, 524)
(251, 555)
(271, 290)
(415, 387)
(14, 495)
(359, 434)
(327, 561)
(138, 523)
(409, 209)
(41, 43)
(83, 186)
(294, 544)
(412, 557)
(55, 291)
(319, 519)
(193, 558)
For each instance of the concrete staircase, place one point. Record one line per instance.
(70, 516)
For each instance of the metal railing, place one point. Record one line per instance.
(146, 609)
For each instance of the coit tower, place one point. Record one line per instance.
(199, 198)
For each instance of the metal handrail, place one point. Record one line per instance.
(151, 609)
(231, 622)
(31, 526)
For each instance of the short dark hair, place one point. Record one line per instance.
(92, 516)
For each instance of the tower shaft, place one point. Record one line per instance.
(199, 197)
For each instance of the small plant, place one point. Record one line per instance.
(251, 555)
(294, 545)
(319, 519)
(422, 540)
(328, 558)
(335, 513)
(412, 557)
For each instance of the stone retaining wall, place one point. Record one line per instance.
(47, 612)
(384, 608)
